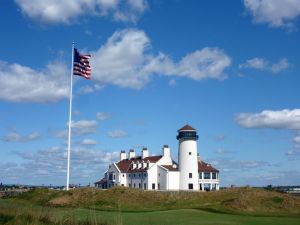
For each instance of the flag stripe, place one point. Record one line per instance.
(81, 65)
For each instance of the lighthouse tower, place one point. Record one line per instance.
(187, 158)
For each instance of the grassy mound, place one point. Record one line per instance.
(236, 200)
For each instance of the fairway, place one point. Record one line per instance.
(172, 217)
(186, 216)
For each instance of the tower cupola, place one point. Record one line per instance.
(187, 133)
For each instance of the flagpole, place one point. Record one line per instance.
(70, 120)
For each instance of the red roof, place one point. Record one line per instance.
(124, 165)
(187, 128)
(205, 167)
(170, 167)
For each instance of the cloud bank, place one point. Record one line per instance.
(276, 13)
(24, 84)
(265, 65)
(125, 60)
(283, 119)
(68, 11)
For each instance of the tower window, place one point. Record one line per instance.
(191, 187)
(190, 175)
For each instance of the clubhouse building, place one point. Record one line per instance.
(161, 172)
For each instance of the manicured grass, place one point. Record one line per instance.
(32, 214)
(128, 206)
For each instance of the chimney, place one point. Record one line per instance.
(166, 151)
(145, 153)
(131, 153)
(122, 155)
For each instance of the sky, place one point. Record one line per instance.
(230, 69)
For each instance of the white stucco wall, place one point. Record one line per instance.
(188, 163)
(152, 177)
(162, 178)
(173, 180)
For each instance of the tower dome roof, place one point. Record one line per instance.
(187, 127)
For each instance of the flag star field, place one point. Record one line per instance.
(230, 69)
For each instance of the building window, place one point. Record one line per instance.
(130, 185)
(190, 153)
(214, 176)
(158, 186)
(153, 186)
(134, 175)
(145, 174)
(139, 185)
(122, 175)
(190, 175)
(134, 185)
(139, 175)
(129, 175)
(200, 175)
(122, 185)
(145, 186)
(191, 187)
(114, 176)
(206, 175)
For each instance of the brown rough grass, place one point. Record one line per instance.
(235, 200)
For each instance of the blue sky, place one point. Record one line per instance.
(228, 68)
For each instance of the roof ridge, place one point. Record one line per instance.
(187, 127)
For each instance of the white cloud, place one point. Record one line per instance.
(23, 84)
(283, 64)
(14, 136)
(49, 166)
(126, 61)
(276, 13)
(283, 119)
(33, 136)
(222, 151)
(117, 133)
(90, 88)
(297, 141)
(205, 63)
(229, 164)
(89, 142)
(265, 65)
(103, 115)
(68, 11)
(80, 127)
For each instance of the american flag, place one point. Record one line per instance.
(81, 64)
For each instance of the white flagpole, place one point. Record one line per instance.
(70, 120)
